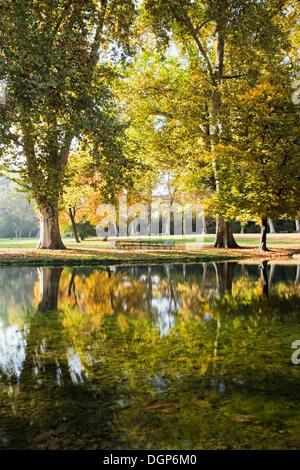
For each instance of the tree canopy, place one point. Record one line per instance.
(111, 95)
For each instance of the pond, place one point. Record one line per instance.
(150, 357)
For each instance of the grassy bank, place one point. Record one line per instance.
(249, 239)
(22, 252)
(20, 257)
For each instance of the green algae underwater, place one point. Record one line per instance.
(150, 357)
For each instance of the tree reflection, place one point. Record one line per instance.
(224, 277)
(264, 278)
(48, 288)
(154, 356)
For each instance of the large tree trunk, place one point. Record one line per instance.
(297, 224)
(263, 237)
(224, 277)
(243, 229)
(224, 236)
(74, 228)
(50, 238)
(272, 226)
(49, 286)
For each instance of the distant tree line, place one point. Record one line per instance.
(18, 218)
(17, 215)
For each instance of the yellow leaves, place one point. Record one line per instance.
(85, 301)
(203, 368)
(72, 319)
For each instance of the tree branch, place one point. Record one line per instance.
(62, 17)
(230, 77)
(65, 149)
(29, 150)
(188, 23)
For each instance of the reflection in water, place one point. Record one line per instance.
(48, 288)
(12, 350)
(265, 281)
(76, 369)
(193, 356)
(165, 314)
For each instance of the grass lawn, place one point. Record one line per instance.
(288, 239)
(187, 250)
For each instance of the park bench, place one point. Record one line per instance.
(142, 244)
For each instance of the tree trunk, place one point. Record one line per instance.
(242, 229)
(74, 228)
(297, 224)
(149, 220)
(264, 277)
(50, 238)
(49, 286)
(224, 236)
(272, 226)
(263, 237)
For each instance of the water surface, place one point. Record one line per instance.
(150, 357)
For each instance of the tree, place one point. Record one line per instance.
(229, 38)
(165, 102)
(57, 91)
(95, 178)
(262, 181)
(76, 190)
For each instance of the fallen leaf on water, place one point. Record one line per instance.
(243, 418)
(160, 405)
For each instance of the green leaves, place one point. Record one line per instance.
(55, 59)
